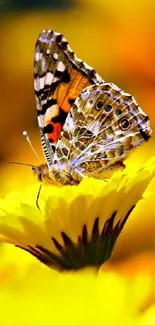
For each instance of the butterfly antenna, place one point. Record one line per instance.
(16, 163)
(29, 142)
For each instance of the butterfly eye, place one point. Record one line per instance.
(99, 105)
(118, 111)
(124, 124)
(108, 108)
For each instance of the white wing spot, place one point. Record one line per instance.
(61, 66)
(55, 56)
(48, 51)
(42, 82)
(38, 56)
(49, 78)
(51, 112)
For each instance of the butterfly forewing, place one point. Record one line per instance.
(59, 78)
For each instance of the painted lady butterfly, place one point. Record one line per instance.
(87, 126)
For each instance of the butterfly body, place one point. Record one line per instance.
(87, 126)
(72, 176)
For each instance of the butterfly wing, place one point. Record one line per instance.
(103, 125)
(59, 77)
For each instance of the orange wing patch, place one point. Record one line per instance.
(65, 95)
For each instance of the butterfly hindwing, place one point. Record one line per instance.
(103, 125)
(59, 79)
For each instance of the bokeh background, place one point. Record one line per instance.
(117, 38)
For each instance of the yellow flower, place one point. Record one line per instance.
(74, 226)
(39, 295)
(35, 294)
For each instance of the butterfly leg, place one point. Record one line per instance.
(38, 196)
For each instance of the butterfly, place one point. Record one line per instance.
(87, 126)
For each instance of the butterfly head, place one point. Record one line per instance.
(41, 172)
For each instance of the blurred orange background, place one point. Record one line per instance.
(117, 38)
